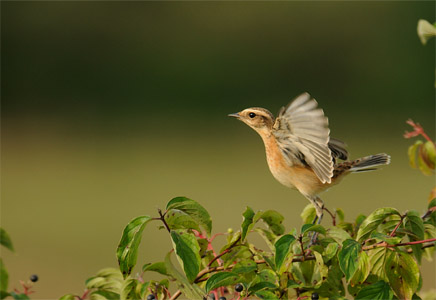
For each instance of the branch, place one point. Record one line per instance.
(417, 130)
(176, 295)
(396, 227)
(384, 244)
(162, 218)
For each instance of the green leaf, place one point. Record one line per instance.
(308, 214)
(403, 274)
(267, 236)
(313, 227)
(4, 294)
(274, 221)
(349, 258)
(67, 297)
(190, 291)
(261, 286)
(128, 289)
(385, 238)
(338, 234)
(188, 252)
(178, 219)
(373, 221)
(263, 294)
(4, 277)
(5, 240)
(158, 267)
(244, 266)
(362, 271)
(269, 276)
(377, 260)
(247, 222)
(414, 223)
(412, 153)
(282, 251)
(330, 251)
(430, 154)
(423, 164)
(103, 295)
(376, 291)
(19, 296)
(193, 209)
(221, 279)
(127, 251)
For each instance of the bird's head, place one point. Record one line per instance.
(258, 118)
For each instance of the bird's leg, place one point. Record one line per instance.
(319, 208)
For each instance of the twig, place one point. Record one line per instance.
(396, 227)
(384, 244)
(417, 130)
(162, 218)
(332, 215)
(218, 256)
(300, 239)
(176, 295)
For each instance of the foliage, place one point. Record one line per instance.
(373, 257)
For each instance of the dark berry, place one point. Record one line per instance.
(239, 287)
(150, 297)
(222, 298)
(315, 296)
(34, 278)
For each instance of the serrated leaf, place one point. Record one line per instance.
(263, 294)
(247, 222)
(313, 227)
(308, 214)
(282, 250)
(127, 251)
(349, 258)
(221, 279)
(190, 291)
(403, 274)
(188, 252)
(376, 291)
(385, 238)
(158, 267)
(193, 209)
(4, 277)
(244, 266)
(5, 239)
(177, 219)
(67, 297)
(373, 221)
(274, 221)
(338, 234)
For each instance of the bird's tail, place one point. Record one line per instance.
(370, 163)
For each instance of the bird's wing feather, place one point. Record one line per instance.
(302, 129)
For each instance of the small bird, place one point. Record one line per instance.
(300, 153)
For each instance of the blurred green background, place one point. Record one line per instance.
(110, 109)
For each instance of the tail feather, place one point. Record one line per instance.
(370, 163)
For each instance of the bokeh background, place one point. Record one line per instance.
(110, 109)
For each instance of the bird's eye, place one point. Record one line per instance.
(252, 115)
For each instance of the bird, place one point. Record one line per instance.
(300, 152)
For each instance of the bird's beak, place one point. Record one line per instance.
(235, 115)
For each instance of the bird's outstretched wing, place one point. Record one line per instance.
(302, 133)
